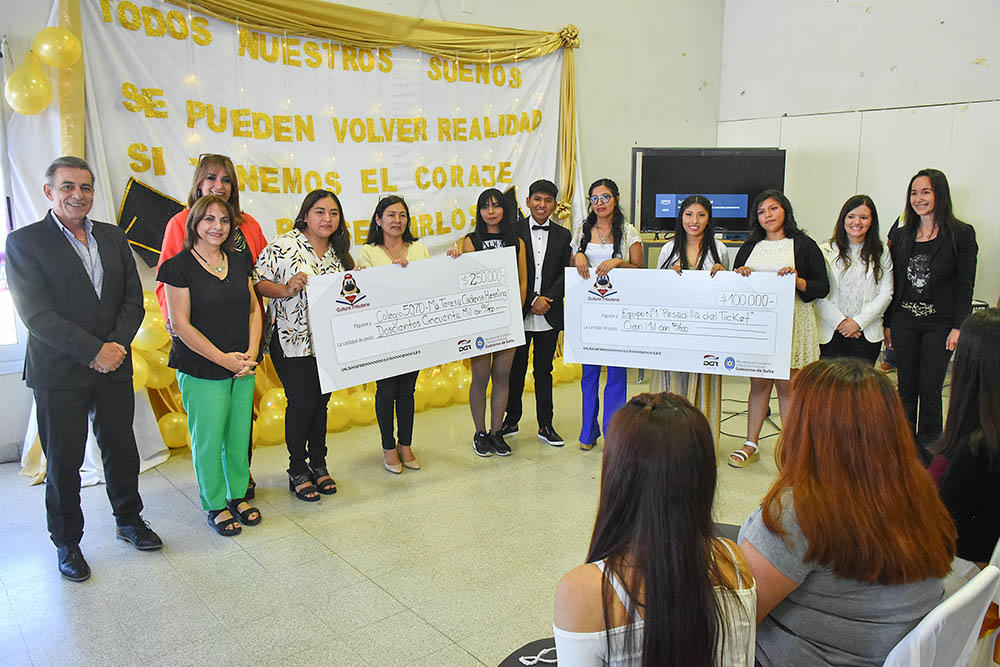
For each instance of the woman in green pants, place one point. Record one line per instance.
(216, 322)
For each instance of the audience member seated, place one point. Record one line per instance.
(657, 588)
(850, 543)
(970, 445)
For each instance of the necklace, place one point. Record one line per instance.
(604, 240)
(217, 269)
(395, 258)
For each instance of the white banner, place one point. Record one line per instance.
(727, 324)
(300, 113)
(384, 321)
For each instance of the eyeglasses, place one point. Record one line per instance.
(202, 157)
(604, 199)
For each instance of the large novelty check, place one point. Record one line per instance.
(729, 324)
(383, 321)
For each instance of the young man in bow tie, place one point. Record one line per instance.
(547, 253)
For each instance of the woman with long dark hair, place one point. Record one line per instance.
(934, 259)
(776, 243)
(970, 487)
(604, 241)
(495, 220)
(318, 244)
(850, 543)
(216, 324)
(694, 248)
(658, 588)
(860, 274)
(214, 175)
(390, 241)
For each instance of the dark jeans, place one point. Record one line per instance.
(305, 416)
(62, 429)
(545, 349)
(839, 346)
(921, 365)
(395, 394)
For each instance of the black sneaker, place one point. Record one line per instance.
(548, 435)
(499, 445)
(483, 444)
(508, 429)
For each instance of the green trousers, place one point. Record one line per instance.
(218, 414)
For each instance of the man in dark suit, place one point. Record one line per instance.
(76, 288)
(547, 253)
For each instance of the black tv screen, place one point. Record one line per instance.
(729, 177)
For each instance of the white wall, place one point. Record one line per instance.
(862, 95)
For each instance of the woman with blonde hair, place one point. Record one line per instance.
(850, 543)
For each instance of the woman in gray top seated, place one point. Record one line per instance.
(850, 543)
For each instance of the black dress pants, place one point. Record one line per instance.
(305, 416)
(921, 366)
(545, 348)
(394, 395)
(62, 430)
(839, 346)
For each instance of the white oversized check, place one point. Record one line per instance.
(379, 322)
(729, 324)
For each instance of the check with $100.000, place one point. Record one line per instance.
(384, 321)
(727, 324)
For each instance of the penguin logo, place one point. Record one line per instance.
(602, 287)
(350, 293)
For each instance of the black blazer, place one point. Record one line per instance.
(67, 324)
(557, 256)
(809, 265)
(954, 275)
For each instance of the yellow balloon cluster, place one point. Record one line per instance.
(152, 333)
(269, 429)
(28, 90)
(174, 429)
(337, 416)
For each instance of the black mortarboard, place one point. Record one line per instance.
(143, 215)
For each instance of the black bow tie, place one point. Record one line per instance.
(544, 228)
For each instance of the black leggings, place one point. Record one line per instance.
(921, 366)
(395, 394)
(839, 346)
(305, 416)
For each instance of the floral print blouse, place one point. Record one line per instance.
(280, 260)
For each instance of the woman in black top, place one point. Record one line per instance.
(970, 488)
(216, 323)
(934, 271)
(495, 220)
(775, 243)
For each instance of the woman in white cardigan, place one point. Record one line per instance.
(860, 272)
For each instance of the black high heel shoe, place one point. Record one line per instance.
(327, 486)
(304, 481)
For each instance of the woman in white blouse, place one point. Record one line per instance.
(390, 241)
(860, 272)
(694, 248)
(318, 244)
(604, 241)
(657, 588)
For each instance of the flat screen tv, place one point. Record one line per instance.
(729, 177)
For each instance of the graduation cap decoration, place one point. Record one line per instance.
(143, 215)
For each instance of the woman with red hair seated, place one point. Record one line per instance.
(851, 542)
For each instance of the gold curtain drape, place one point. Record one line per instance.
(460, 41)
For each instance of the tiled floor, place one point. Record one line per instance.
(455, 564)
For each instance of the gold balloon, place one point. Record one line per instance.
(361, 405)
(174, 429)
(529, 381)
(461, 387)
(273, 399)
(152, 333)
(270, 426)
(453, 370)
(560, 372)
(149, 302)
(57, 47)
(441, 391)
(160, 375)
(140, 371)
(337, 415)
(28, 90)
